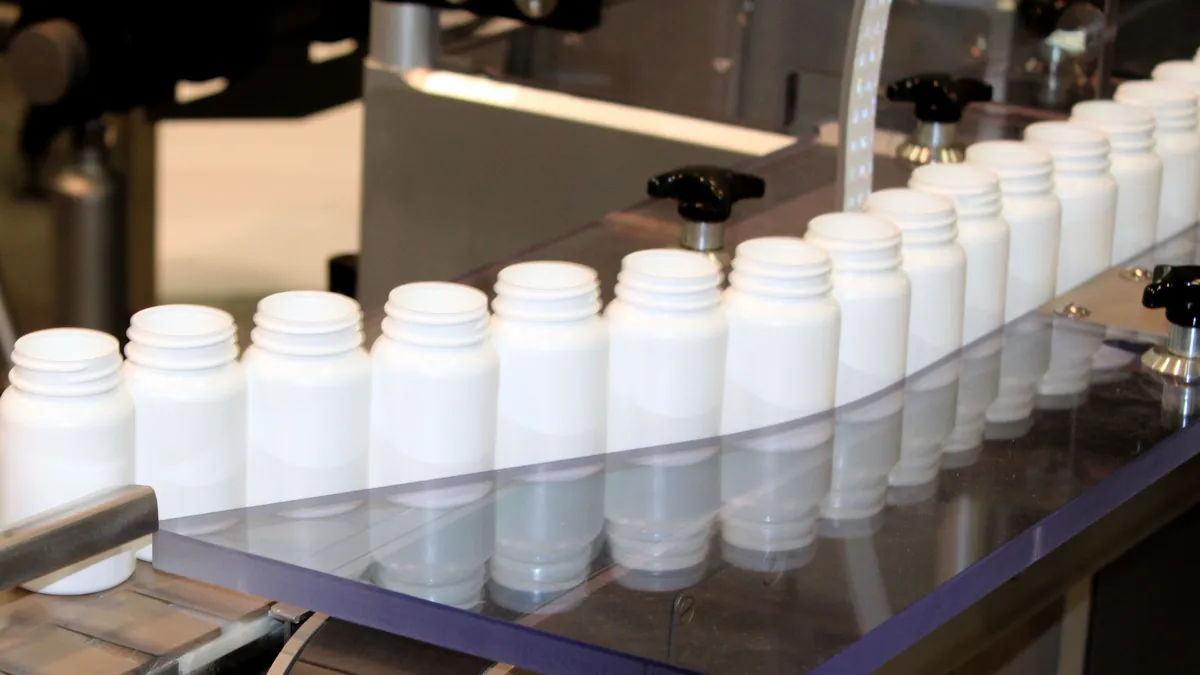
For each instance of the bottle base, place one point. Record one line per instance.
(95, 578)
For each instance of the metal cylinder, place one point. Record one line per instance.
(404, 36)
(1184, 341)
(703, 237)
(89, 244)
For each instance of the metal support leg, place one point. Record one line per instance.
(135, 156)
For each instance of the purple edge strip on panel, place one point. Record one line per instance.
(395, 613)
(526, 647)
(905, 629)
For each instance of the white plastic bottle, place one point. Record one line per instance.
(308, 384)
(772, 484)
(547, 534)
(667, 341)
(553, 350)
(67, 430)
(784, 325)
(433, 386)
(436, 550)
(936, 266)
(1025, 359)
(190, 395)
(866, 449)
(1135, 167)
(660, 508)
(1034, 216)
(1084, 183)
(874, 293)
(1178, 146)
(983, 235)
(1186, 73)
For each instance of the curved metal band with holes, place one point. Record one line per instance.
(860, 89)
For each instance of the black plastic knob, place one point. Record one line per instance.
(706, 194)
(939, 97)
(1177, 290)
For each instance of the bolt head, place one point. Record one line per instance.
(1073, 311)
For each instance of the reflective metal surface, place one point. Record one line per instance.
(76, 532)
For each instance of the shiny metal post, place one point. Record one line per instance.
(404, 36)
(90, 238)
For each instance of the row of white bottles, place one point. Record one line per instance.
(1177, 145)
(449, 389)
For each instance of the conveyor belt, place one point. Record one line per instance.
(153, 623)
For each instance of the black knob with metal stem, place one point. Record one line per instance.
(1177, 290)
(939, 100)
(706, 196)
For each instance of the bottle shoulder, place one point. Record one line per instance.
(1142, 162)
(210, 382)
(390, 354)
(623, 318)
(259, 363)
(24, 408)
(1177, 142)
(947, 255)
(589, 331)
(741, 306)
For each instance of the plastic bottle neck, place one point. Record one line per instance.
(857, 242)
(66, 362)
(669, 280)
(781, 269)
(974, 190)
(182, 337)
(924, 219)
(436, 314)
(1024, 170)
(547, 291)
(1078, 150)
(1174, 105)
(307, 323)
(1130, 127)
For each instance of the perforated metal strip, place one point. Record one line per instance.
(860, 87)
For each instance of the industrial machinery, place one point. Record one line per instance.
(523, 579)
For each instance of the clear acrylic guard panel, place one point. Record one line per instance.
(713, 556)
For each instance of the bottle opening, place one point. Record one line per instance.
(907, 202)
(315, 308)
(1008, 155)
(183, 321)
(65, 346)
(854, 228)
(962, 179)
(1178, 71)
(437, 298)
(782, 251)
(1113, 113)
(1159, 95)
(668, 264)
(548, 275)
(1066, 135)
